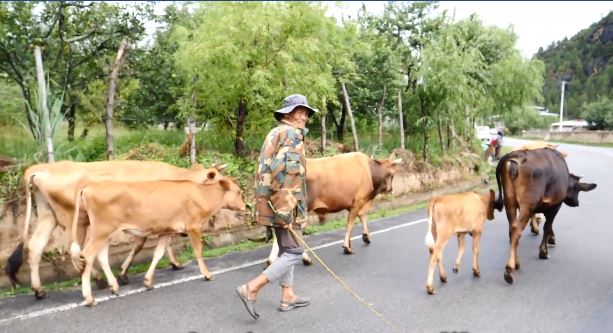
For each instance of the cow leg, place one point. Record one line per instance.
(103, 260)
(89, 253)
(534, 224)
(458, 258)
(306, 260)
(432, 261)
(436, 257)
(157, 255)
(350, 224)
(516, 228)
(176, 265)
(365, 233)
(195, 239)
(547, 231)
(36, 245)
(476, 246)
(139, 242)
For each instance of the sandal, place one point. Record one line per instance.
(297, 303)
(243, 293)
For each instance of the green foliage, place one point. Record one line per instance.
(599, 114)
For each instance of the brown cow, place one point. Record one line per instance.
(345, 182)
(537, 218)
(143, 209)
(456, 214)
(534, 181)
(53, 186)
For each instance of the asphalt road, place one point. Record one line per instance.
(570, 292)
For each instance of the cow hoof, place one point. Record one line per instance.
(543, 255)
(176, 267)
(551, 241)
(443, 279)
(90, 303)
(365, 238)
(476, 273)
(430, 290)
(516, 266)
(40, 294)
(123, 279)
(148, 285)
(534, 231)
(455, 270)
(307, 261)
(508, 277)
(209, 277)
(101, 284)
(115, 291)
(347, 250)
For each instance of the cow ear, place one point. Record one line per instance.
(586, 186)
(225, 184)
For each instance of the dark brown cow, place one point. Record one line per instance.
(346, 182)
(534, 181)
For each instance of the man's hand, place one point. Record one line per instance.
(286, 225)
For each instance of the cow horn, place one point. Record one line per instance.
(397, 161)
(221, 166)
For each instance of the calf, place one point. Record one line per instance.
(51, 189)
(534, 181)
(147, 208)
(456, 214)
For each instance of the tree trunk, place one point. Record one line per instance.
(449, 133)
(401, 119)
(71, 118)
(84, 133)
(108, 121)
(323, 115)
(440, 136)
(353, 129)
(191, 124)
(340, 124)
(241, 116)
(422, 106)
(42, 100)
(380, 114)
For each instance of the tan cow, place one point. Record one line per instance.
(345, 182)
(460, 214)
(52, 187)
(143, 209)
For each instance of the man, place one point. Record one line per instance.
(281, 201)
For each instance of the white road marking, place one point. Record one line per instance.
(183, 280)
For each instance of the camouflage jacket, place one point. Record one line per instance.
(280, 182)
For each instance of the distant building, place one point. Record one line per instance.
(568, 125)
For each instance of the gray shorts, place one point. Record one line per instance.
(290, 253)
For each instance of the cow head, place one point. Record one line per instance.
(383, 172)
(232, 197)
(574, 187)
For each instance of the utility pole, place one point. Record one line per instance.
(561, 106)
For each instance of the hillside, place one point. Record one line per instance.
(586, 61)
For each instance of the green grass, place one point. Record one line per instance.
(608, 145)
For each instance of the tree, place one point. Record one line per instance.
(248, 56)
(73, 35)
(599, 114)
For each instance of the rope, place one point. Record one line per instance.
(353, 293)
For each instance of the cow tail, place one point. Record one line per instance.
(498, 202)
(431, 233)
(15, 260)
(75, 248)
